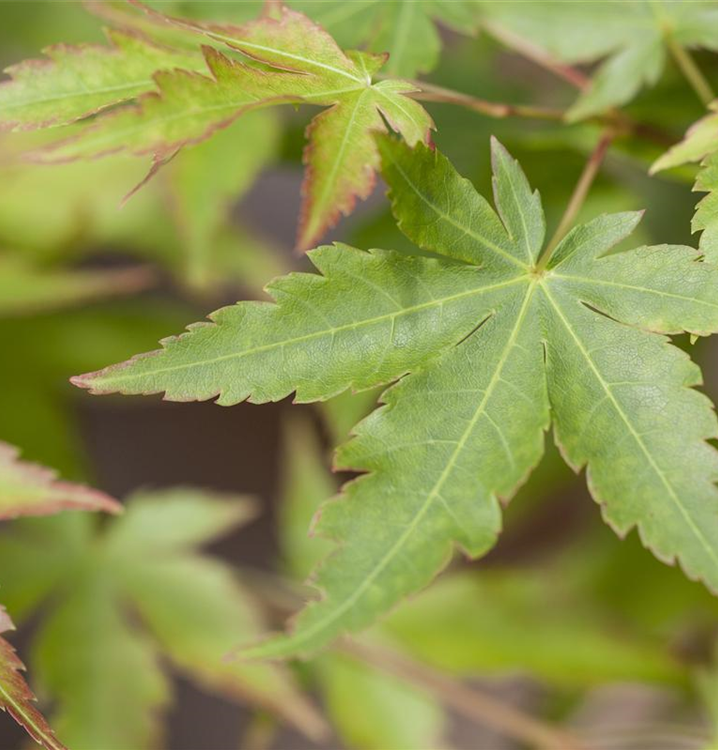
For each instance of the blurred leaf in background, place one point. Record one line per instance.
(632, 42)
(101, 665)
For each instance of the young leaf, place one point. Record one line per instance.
(74, 82)
(578, 343)
(16, 697)
(631, 43)
(700, 145)
(28, 289)
(299, 63)
(191, 612)
(31, 490)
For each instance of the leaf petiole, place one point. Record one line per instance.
(691, 71)
(428, 92)
(578, 196)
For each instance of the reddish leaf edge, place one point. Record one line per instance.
(68, 496)
(21, 706)
(112, 48)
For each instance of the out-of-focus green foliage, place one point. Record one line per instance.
(633, 38)
(92, 654)
(182, 219)
(35, 395)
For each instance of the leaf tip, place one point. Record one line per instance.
(82, 381)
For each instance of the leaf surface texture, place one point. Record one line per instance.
(495, 351)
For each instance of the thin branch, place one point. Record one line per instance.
(579, 195)
(579, 80)
(622, 123)
(428, 92)
(536, 54)
(690, 70)
(474, 704)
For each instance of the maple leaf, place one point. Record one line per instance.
(77, 81)
(631, 44)
(292, 60)
(498, 347)
(700, 145)
(31, 490)
(404, 29)
(16, 697)
(498, 620)
(126, 596)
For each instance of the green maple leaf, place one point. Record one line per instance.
(30, 490)
(631, 41)
(406, 30)
(700, 145)
(16, 697)
(110, 686)
(498, 347)
(77, 81)
(495, 620)
(288, 59)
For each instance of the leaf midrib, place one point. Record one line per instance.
(140, 83)
(329, 181)
(318, 334)
(21, 711)
(636, 435)
(111, 136)
(520, 210)
(395, 98)
(235, 44)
